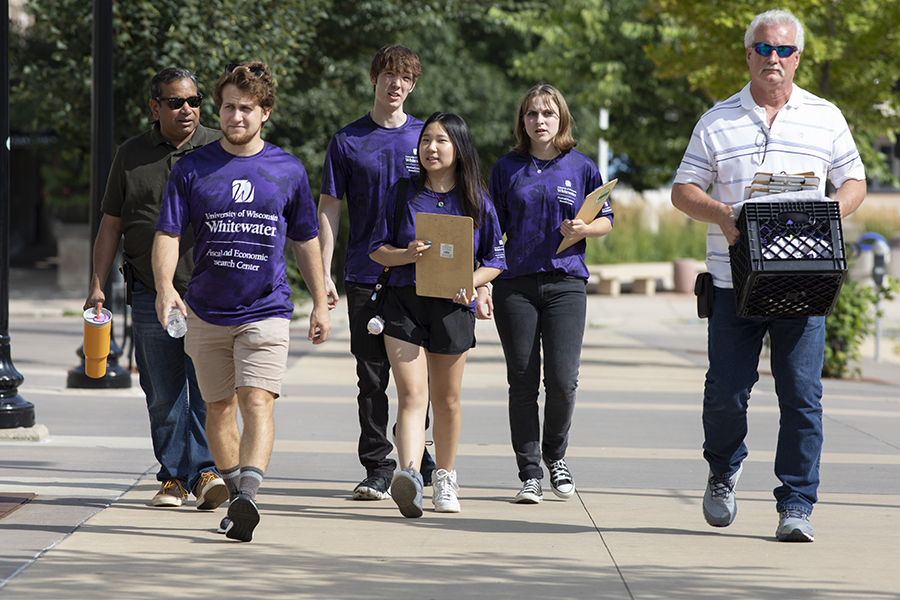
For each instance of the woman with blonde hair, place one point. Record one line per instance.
(540, 301)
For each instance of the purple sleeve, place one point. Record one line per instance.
(174, 215)
(300, 211)
(334, 177)
(490, 251)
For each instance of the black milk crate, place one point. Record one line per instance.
(789, 259)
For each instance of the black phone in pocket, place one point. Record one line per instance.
(703, 289)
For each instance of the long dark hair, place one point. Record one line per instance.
(470, 185)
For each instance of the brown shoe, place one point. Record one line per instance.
(172, 493)
(210, 491)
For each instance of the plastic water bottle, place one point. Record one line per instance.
(375, 325)
(176, 325)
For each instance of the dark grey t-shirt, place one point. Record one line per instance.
(134, 190)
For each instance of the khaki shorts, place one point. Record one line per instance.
(228, 357)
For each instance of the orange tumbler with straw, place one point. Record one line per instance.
(97, 327)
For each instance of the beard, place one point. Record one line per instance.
(240, 139)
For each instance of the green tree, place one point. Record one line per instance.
(850, 57)
(319, 51)
(593, 51)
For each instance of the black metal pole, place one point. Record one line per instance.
(101, 161)
(15, 411)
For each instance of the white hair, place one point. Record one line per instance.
(773, 18)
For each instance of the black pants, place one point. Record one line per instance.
(372, 380)
(541, 311)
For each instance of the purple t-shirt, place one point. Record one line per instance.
(363, 160)
(487, 239)
(241, 209)
(531, 208)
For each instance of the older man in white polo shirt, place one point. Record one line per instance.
(773, 126)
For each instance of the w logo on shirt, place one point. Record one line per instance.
(241, 191)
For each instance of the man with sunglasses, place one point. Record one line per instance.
(131, 207)
(770, 126)
(363, 160)
(242, 198)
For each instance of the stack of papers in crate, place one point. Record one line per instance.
(766, 184)
(781, 187)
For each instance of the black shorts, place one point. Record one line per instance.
(438, 325)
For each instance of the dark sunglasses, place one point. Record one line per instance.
(764, 49)
(258, 71)
(176, 103)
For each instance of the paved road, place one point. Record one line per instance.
(634, 530)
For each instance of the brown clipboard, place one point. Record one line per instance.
(448, 265)
(589, 210)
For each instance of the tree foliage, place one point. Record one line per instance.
(593, 51)
(850, 57)
(319, 52)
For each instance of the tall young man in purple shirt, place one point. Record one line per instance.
(242, 197)
(363, 160)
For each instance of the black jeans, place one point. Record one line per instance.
(372, 380)
(534, 311)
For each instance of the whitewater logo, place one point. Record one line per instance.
(241, 191)
(566, 194)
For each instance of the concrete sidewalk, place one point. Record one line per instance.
(634, 530)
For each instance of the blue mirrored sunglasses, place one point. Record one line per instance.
(764, 49)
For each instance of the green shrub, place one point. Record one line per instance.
(848, 325)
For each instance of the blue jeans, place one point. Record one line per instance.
(797, 352)
(177, 411)
(541, 310)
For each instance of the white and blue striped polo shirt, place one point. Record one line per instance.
(731, 143)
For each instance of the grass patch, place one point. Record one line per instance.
(642, 235)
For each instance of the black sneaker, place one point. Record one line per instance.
(244, 517)
(373, 488)
(530, 492)
(561, 481)
(223, 525)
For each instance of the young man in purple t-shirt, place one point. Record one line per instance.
(242, 197)
(363, 160)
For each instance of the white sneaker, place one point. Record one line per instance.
(445, 491)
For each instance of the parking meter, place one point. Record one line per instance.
(881, 252)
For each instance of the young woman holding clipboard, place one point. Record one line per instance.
(427, 339)
(539, 301)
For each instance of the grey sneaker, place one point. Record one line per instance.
(372, 488)
(445, 493)
(719, 504)
(530, 493)
(561, 481)
(406, 490)
(793, 526)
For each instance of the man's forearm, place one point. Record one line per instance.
(165, 259)
(850, 195)
(309, 262)
(329, 223)
(105, 248)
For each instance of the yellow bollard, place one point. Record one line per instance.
(96, 341)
